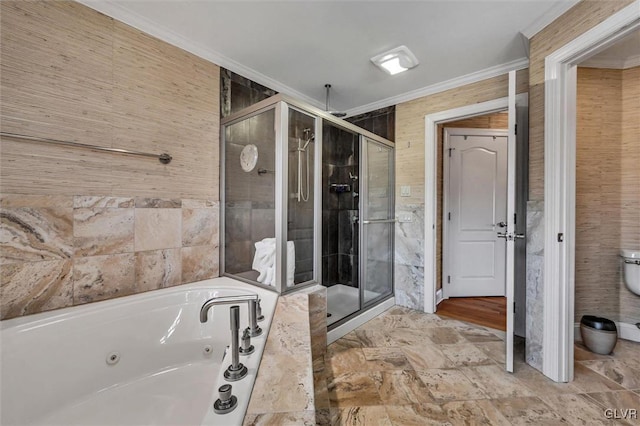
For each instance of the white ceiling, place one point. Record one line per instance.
(625, 53)
(296, 47)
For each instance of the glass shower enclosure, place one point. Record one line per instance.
(307, 198)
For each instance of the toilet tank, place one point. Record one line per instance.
(631, 269)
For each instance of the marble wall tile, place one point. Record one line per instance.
(32, 234)
(28, 200)
(88, 202)
(534, 284)
(199, 263)
(535, 227)
(158, 228)
(103, 277)
(32, 287)
(188, 203)
(200, 227)
(158, 203)
(409, 286)
(39, 229)
(158, 269)
(100, 231)
(318, 322)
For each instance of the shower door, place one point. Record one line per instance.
(378, 223)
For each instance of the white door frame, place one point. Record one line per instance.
(445, 190)
(560, 183)
(431, 182)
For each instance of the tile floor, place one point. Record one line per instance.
(405, 367)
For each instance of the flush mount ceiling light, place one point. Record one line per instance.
(395, 60)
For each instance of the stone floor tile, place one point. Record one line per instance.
(424, 357)
(444, 335)
(622, 371)
(466, 355)
(495, 382)
(579, 410)
(528, 411)
(374, 415)
(450, 385)
(402, 387)
(588, 380)
(381, 359)
(354, 390)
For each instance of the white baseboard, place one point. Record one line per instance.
(439, 296)
(356, 322)
(625, 331)
(628, 331)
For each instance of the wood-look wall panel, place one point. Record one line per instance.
(71, 73)
(576, 21)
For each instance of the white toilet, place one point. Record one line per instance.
(631, 269)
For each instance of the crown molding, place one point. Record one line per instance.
(474, 77)
(548, 17)
(122, 14)
(612, 63)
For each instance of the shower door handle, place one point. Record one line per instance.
(367, 222)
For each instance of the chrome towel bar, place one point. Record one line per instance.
(164, 158)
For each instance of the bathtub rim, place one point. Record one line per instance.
(26, 322)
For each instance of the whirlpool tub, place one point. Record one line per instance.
(137, 360)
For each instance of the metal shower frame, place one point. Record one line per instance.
(281, 104)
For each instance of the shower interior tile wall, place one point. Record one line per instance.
(381, 122)
(249, 196)
(300, 223)
(340, 158)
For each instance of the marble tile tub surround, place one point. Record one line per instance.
(60, 251)
(406, 367)
(284, 385)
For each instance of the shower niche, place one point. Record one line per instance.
(307, 198)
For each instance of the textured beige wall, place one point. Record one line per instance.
(498, 120)
(630, 175)
(410, 138)
(598, 189)
(71, 73)
(577, 20)
(410, 130)
(78, 225)
(607, 189)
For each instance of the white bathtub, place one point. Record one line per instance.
(55, 369)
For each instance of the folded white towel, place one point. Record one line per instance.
(264, 261)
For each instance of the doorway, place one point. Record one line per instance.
(474, 192)
(517, 106)
(560, 186)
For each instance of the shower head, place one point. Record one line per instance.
(334, 113)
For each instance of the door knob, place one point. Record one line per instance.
(519, 236)
(502, 224)
(505, 235)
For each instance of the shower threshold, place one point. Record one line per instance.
(344, 300)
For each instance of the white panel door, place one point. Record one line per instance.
(476, 211)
